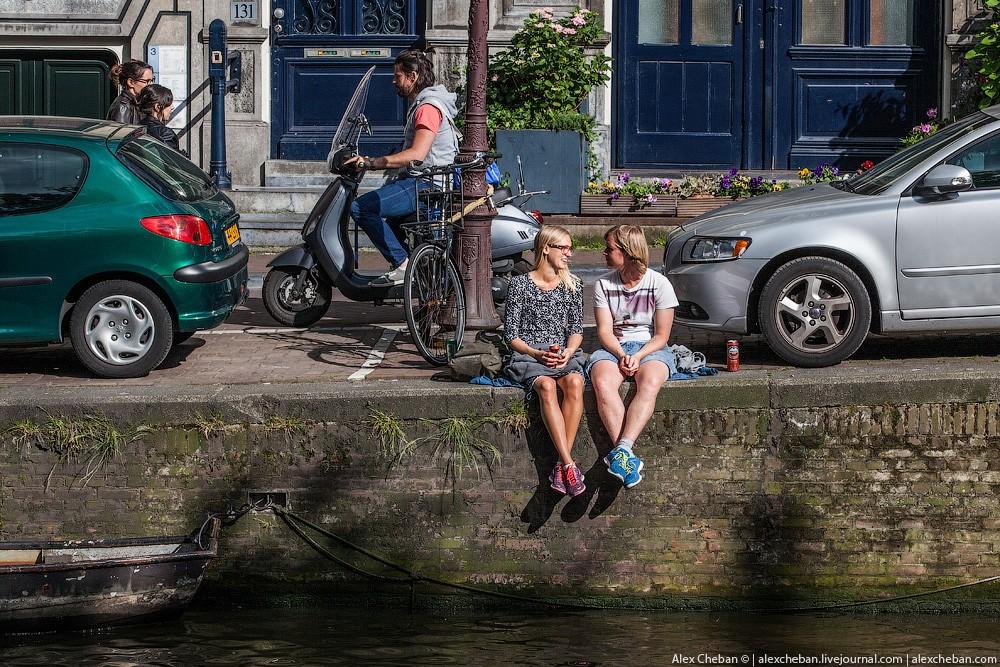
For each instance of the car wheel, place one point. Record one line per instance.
(291, 308)
(120, 329)
(814, 311)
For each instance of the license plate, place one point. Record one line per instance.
(232, 234)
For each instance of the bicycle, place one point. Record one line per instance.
(433, 295)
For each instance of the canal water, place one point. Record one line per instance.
(339, 636)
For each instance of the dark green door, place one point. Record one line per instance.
(55, 83)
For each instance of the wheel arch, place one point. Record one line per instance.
(83, 285)
(852, 262)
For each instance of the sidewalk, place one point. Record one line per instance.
(364, 343)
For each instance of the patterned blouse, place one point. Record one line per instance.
(541, 318)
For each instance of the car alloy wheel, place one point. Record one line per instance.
(121, 329)
(814, 311)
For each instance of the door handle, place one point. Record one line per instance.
(739, 14)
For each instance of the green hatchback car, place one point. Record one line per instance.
(112, 239)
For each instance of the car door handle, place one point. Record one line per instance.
(739, 14)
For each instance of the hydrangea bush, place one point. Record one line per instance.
(546, 74)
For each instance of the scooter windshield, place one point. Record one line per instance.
(351, 125)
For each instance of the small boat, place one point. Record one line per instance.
(47, 586)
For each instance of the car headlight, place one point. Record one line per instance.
(701, 249)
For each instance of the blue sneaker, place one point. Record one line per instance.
(624, 465)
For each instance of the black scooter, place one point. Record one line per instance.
(299, 285)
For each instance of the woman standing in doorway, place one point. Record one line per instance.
(131, 77)
(543, 324)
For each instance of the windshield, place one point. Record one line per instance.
(878, 179)
(165, 170)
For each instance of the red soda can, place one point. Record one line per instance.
(732, 355)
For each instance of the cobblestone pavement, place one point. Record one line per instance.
(348, 344)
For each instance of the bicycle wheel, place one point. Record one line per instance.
(434, 300)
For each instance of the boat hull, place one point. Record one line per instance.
(101, 583)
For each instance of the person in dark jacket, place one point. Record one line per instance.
(131, 77)
(156, 103)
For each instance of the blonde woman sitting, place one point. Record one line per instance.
(543, 324)
(634, 309)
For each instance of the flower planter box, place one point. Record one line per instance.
(591, 204)
(695, 206)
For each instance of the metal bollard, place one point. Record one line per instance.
(217, 63)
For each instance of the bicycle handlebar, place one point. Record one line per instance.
(415, 170)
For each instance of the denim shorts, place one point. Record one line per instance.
(664, 356)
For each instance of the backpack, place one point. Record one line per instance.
(483, 356)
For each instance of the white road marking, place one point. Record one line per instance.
(377, 354)
(282, 330)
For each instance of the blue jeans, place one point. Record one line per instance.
(394, 200)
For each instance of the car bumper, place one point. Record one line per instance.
(203, 306)
(712, 295)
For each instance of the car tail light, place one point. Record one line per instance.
(537, 215)
(183, 228)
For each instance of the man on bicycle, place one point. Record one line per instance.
(429, 136)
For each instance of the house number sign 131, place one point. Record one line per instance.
(243, 11)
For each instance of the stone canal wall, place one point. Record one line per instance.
(754, 487)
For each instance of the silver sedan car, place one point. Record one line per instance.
(912, 245)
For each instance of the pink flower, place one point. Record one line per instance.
(558, 28)
(932, 113)
(494, 78)
(578, 20)
(569, 31)
(925, 128)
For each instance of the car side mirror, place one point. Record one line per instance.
(944, 179)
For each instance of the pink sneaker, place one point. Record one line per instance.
(556, 479)
(574, 480)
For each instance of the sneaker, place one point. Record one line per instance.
(556, 479)
(390, 278)
(624, 465)
(574, 480)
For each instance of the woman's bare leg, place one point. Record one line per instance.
(552, 416)
(606, 378)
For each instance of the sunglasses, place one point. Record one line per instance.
(147, 81)
(564, 248)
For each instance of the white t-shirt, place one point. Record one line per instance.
(632, 310)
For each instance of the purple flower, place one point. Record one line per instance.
(925, 128)
(624, 176)
(734, 171)
(932, 113)
(614, 196)
(726, 182)
(649, 199)
(835, 171)
(665, 183)
(756, 181)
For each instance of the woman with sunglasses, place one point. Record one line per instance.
(131, 77)
(634, 309)
(543, 324)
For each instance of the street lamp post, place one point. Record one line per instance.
(474, 248)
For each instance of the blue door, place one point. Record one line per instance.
(320, 50)
(774, 84)
(851, 78)
(681, 83)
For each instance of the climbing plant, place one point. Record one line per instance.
(985, 58)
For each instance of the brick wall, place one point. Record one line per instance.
(756, 501)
